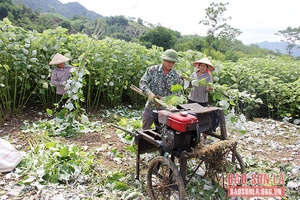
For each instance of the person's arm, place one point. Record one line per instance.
(145, 82)
(54, 81)
(209, 84)
(194, 81)
(145, 85)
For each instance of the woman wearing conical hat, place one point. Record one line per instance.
(60, 75)
(200, 88)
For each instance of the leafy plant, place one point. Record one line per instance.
(250, 86)
(55, 162)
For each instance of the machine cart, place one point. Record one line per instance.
(177, 138)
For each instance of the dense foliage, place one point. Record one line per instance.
(275, 80)
(113, 65)
(160, 36)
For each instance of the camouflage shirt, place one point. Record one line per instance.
(160, 84)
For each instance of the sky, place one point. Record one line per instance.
(258, 20)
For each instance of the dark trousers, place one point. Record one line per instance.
(147, 118)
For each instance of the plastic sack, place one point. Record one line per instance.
(9, 156)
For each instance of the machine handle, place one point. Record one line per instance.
(123, 129)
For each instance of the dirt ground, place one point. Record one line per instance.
(10, 131)
(266, 141)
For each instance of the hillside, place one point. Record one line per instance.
(76, 18)
(68, 10)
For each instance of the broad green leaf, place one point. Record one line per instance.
(120, 186)
(51, 144)
(49, 111)
(64, 152)
(123, 121)
(174, 100)
(224, 104)
(176, 88)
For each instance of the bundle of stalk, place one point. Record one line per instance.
(138, 90)
(157, 100)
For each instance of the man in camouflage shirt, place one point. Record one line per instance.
(156, 82)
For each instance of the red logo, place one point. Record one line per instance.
(258, 185)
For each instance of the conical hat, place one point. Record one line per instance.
(58, 58)
(206, 61)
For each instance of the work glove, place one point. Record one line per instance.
(151, 96)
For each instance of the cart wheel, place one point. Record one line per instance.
(230, 163)
(164, 180)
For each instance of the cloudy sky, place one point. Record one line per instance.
(259, 20)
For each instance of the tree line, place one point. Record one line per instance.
(219, 43)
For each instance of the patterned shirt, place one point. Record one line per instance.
(199, 93)
(160, 84)
(59, 75)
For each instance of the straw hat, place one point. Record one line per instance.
(206, 61)
(58, 58)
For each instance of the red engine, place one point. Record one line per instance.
(178, 129)
(179, 121)
(181, 129)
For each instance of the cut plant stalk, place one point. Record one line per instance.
(156, 100)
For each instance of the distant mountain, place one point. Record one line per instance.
(68, 10)
(76, 18)
(278, 47)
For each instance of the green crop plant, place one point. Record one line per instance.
(256, 87)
